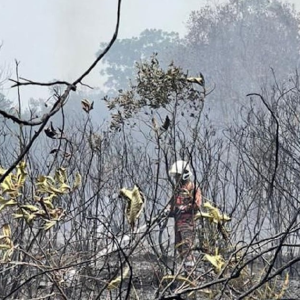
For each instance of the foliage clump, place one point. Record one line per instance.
(46, 189)
(156, 88)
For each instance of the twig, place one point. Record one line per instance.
(30, 82)
(56, 107)
(41, 297)
(276, 139)
(19, 120)
(61, 100)
(84, 84)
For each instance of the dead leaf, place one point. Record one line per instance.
(51, 132)
(87, 106)
(135, 202)
(54, 151)
(197, 80)
(166, 124)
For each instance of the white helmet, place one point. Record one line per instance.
(181, 167)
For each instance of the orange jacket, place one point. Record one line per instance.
(186, 198)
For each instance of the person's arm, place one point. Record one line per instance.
(169, 211)
(198, 198)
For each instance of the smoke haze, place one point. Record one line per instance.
(58, 39)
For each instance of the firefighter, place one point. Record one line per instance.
(185, 202)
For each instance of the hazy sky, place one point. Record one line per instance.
(59, 38)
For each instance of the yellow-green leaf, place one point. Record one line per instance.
(135, 202)
(113, 284)
(30, 207)
(7, 185)
(4, 203)
(49, 224)
(17, 216)
(2, 171)
(215, 213)
(21, 173)
(64, 188)
(52, 189)
(4, 247)
(204, 215)
(30, 217)
(198, 80)
(7, 255)
(216, 260)
(77, 181)
(61, 175)
(283, 288)
(179, 278)
(45, 180)
(6, 230)
(25, 214)
(48, 202)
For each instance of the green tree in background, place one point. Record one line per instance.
(120, 61)
(237, 44)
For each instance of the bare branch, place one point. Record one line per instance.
(56, 107)
(277, 138)
(18, 120)
(30, 82)
(101, 55)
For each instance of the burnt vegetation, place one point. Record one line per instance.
(82, 200)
